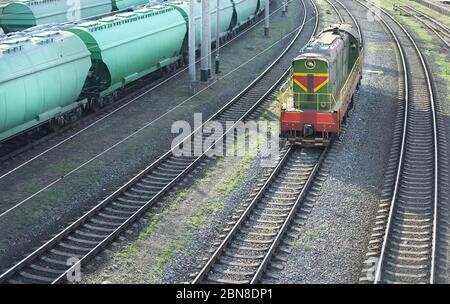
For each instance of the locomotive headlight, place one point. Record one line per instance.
(310, 64)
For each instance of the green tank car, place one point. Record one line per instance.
(128, 46)
(18, 16)
(246, 10)
(123, 4)
(41, 78)
(226, 15)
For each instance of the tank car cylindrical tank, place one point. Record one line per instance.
(41, 77)
(122, 4)
(128, 46)
(18, 16)
(245, 10)
(226, 15)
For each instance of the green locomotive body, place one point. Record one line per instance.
(324, 78)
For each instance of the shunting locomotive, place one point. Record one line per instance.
(316, 99)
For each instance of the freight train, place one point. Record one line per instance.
(18, 16)
(316, 99)
(50, 77)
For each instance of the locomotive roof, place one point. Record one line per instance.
(322, 44)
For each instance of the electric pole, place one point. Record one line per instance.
(192, 71)
(204, 47)
(218, 37)
(209, 37)
(266, 19)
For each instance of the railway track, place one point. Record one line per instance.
(438, 28)
(87, 236)
(255, 247)
(245, 253)
(403, 241)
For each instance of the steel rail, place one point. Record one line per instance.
(341, 19)
(425, 23)
(308, 183)
(444, 27)
(358, 28)
(262, 268)
(242, 219)
(390, 221)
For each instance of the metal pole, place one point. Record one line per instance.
(204, 47)
(209, 37)
(192, 71)
(266, 19)
(218, 37)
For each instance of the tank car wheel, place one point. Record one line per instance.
(109, 99)
(97, 103)
(57, 123)
(54, 126)
(101, 101)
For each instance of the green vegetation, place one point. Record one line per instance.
(327, 14)
(132, 249)
(244, 166)
(430, 12)
(166, 255)
(307, 237)
(428, 39)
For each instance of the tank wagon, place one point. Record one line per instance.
(315, 101)
(41, 78)
(20, 15)
(227, 17)
(60, 73)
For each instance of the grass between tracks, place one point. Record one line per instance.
(427, 37)
(306, 237)
(206, 198)
(210, 207)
